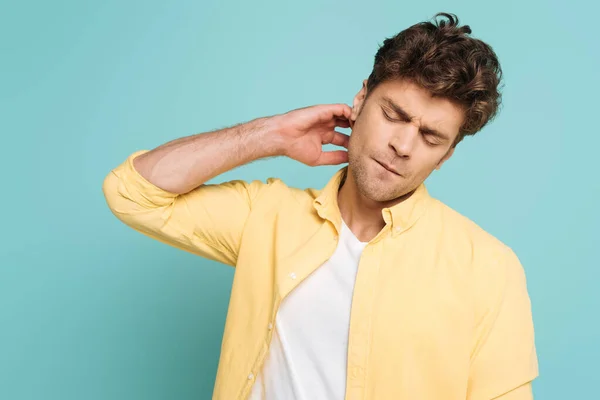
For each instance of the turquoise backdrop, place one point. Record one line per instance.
(91, 310)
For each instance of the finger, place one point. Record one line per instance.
(346, 111)
(342, 123)
(339, 110)
(340, 139)
(333, 157)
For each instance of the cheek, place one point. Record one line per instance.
(352, 143)
(357, 140)
(426, 164)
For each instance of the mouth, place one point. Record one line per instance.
(388, 167)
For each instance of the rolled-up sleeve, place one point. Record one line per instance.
(208, 221)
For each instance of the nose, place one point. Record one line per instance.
(403, 141)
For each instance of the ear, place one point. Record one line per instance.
(445, 158)
(358, 102)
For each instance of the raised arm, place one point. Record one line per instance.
(163, 194)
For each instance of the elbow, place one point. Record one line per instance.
(122, 206)
(133, 205)
(110, 189)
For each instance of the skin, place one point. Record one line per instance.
(402, 145)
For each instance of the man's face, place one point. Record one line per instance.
(384, 138)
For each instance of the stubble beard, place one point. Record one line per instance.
(367, 186)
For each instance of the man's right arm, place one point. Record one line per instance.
(162, 192)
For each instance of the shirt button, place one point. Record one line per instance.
(270, 326)
(335, 238)
(250, 377)
(293, 275)
(397, 229)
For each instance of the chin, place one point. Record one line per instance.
(370, 186)
(373, 191)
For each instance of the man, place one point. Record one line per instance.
(369, 288)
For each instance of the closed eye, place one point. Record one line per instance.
(429, 142)
(425, 135)
(394, 119)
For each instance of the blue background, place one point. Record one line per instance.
(90, 309)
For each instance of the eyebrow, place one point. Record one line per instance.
(402, 113)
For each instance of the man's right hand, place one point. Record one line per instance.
(304, 131)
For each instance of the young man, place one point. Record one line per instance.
(369, 288)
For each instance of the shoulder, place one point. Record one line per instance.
(494, 272)
(282, 189)
(491, 261)
(464, 231)
(275, 193)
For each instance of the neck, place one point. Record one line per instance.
(362, 215)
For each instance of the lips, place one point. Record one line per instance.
(388, 167)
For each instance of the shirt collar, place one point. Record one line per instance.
(400, 217)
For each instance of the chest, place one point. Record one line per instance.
(401, 289)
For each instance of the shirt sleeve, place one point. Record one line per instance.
(523, 392)
(208, 221)
(503, 360)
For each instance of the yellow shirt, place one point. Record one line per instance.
(440, 308)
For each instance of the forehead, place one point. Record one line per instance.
(437, 112)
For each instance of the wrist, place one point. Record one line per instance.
(270, 139)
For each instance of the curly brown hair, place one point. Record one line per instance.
(441, 57)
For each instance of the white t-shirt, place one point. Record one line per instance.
(308, 353)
